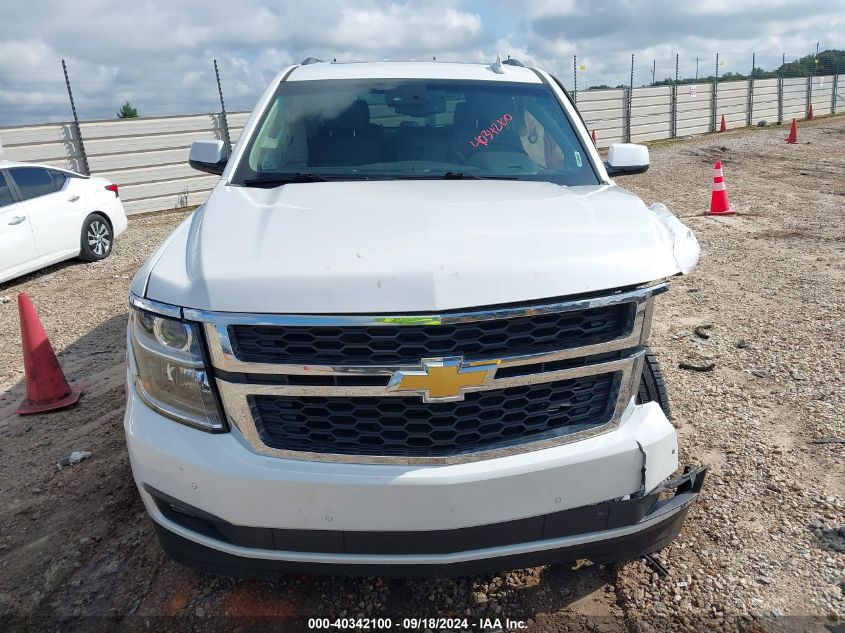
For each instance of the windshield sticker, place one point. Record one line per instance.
(490, 133)
(578, 158)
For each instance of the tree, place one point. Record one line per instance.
(828, 62)
(127, 112)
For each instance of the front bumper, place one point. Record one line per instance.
(621, 530)
(221, 507)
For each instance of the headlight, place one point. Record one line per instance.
(167, 365)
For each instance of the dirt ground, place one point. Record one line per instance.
(763, 549)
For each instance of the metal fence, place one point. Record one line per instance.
(147, 157)
(662, 112)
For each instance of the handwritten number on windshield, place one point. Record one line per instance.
(491, 132)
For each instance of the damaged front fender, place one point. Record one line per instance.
(685, 248)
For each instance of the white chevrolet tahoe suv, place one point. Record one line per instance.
(406, 335)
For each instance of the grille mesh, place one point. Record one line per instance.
(407, 344)
(408, 427)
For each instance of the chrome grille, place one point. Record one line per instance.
(575, 383)
(407, 344)
(409, 427)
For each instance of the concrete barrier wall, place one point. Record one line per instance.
(651, 113)
(732, 103)
(794, 98)
(694, 104)
(147, 157)
(822, 93)
(603, 111)
(765, 101)
(839, 98)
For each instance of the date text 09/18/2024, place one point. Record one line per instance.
(421, 623)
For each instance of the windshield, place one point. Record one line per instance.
(396, 129)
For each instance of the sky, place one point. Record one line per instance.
(158, 54)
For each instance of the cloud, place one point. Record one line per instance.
(158, 54)
(606, 34)
(398, 29)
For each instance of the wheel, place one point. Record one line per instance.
(652, 388)
(97, 238)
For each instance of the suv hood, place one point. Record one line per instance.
(411, 246)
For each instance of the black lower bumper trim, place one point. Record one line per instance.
(625, 547)
(652, 525)
(584, 520)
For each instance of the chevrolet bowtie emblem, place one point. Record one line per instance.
(443, 379)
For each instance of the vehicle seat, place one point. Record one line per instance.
(347, 139)
(422, 142)
(473, 116)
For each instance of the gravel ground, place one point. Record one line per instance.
(763, 549)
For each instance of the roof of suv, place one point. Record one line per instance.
(412, 70)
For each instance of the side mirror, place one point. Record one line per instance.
(624, 159)
(208, 156)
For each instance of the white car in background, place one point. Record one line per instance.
(48, 215)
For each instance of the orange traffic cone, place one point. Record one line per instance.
(810, 112)
(594, 138)
(47, 388)
(719, 204)
(793, 133)
(723, 127)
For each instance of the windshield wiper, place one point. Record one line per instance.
(459, 175)
(283, 179)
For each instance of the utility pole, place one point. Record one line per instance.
(750, 113)
(673, 131)
(85, 169)
(653, 69)
(696, 68)
(629, 104)
(575, 75)
(715, 97)
(780, 90)
(224, 120)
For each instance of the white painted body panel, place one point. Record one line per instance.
(413, 70)
(399, 246)
(17, 245)
(222, 476)
(54, 222)
(56, 219)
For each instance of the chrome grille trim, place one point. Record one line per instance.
(217, 324)
(234, 395)
(235, 403)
